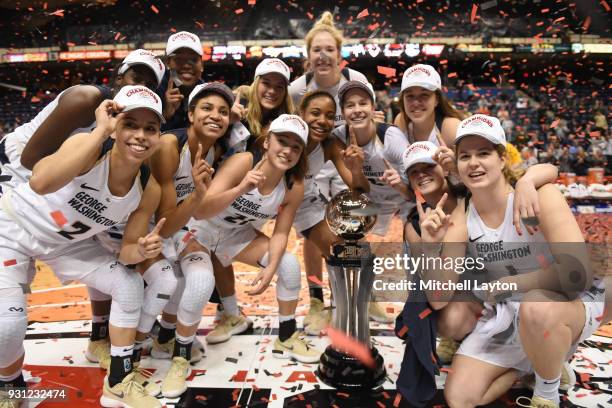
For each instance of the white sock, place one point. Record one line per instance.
(230, 305)
(10, 377)
(286, 318)
(167, 325)
(547, 389)
(121, 351)
(184, 339)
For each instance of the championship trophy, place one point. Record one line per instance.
(350, 215)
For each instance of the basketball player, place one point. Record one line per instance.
(323, 47)
(556, 312)
(70, 198)
(70, 113)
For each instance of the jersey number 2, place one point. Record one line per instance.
(79, 228)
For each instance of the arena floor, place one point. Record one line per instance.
(242, 372)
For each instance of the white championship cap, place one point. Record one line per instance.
(143, 57)
(291, 124)
(270, 65)
(183, 39)
(421, 75)
(354, 84)
(419, 152)
(137, 96)
(485, 126)
(215, 87)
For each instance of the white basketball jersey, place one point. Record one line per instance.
(503, 250)
(374, 165)
(11, 170)
(316, 160)
(251, 208)
(433, 135)
(77, 211)
(183, 181)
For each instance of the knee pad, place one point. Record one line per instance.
(127, 293)
(289, 280)
(96, 296)
(161, 284)
(13, 325)
(173, 304)
(199, 283)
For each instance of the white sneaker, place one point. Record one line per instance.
(318, 323)
(175, 382)
(99, 352)
(378, 314)
(228, 326)
(164, 351)
(296, 347)
(127, 394)
(316, 307)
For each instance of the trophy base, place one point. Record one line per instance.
(342, 371)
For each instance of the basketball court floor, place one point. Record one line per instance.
(242, 372)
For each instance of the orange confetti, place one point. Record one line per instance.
(473, 15)
(154, 9)
(554, 124)
(59, 218)
(424, 313)
(343, 64)
(45, 5)
(386, 71)
(252, 2)
(587, 23)
(239, 11)
(59, 13)
(315, 280)
(350, 346)
(419, 196)
(452, 75)
(309, 15)
(117, 35)
(396, 401)
(605, 5)
(363, 13)
(380, 404)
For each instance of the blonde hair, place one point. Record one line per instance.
(254, 115)
(325, 23)
(511, 173)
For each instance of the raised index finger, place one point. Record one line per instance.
(159, 226)
(442, 201)
(199, 152)
(420, 210)
(387, 164)
(261, 162)
(439, 139)
(352, 137)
